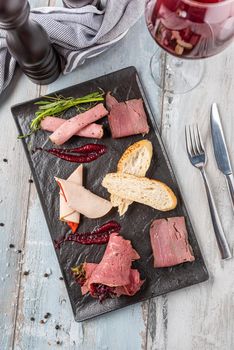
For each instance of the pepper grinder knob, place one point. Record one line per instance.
(28, 42)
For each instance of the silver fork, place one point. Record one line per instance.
(197, 157)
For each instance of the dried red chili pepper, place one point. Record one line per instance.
(75, 159)
(110, 226)
(100, 235)
(83, 154)
(88, 148)
(89, 238)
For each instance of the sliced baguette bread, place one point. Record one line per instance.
(142, 190)
(135, 161)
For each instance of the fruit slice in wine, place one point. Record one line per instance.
(191, 29)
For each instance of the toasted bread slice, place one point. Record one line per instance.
(135, 161)
(142, 190)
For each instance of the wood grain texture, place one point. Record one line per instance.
(38, 295)
(14, 194)
(200, 317)
(14, 190)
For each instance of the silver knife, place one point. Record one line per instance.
(220, 149)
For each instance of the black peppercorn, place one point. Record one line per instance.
(11, 245)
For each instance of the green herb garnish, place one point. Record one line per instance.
(55, 106)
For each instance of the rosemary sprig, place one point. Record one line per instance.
(55, 106)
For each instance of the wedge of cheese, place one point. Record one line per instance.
(68, 214)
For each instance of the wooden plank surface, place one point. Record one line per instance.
(14, 192)
(49, 294)
(199, 317)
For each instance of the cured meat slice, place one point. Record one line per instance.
(83, 201)
(114, 271)
(133, 286)
(169, 241)
(66, 213)
(73, 125)
(110, 101)
(90, 131)
(89, 269)
(127, 118)
(114, 268)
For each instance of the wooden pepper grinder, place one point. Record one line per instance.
(28, 42)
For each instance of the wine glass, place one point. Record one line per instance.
(191, 30)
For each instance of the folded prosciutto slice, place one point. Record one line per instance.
(90, 131)
(126, 118)
(113, 276)
(169, 241)
(73, 125)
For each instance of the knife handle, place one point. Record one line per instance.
(230, 182)
(218, 229)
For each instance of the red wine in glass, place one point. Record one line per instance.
(191, 29)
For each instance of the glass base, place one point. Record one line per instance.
(180, 75)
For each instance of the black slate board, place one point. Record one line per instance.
(124, 85)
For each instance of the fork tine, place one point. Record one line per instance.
(193, 137)
(193, 145)
(188, 141)
(200, 140)
(197, 139)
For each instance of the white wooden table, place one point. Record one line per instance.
(199, 317)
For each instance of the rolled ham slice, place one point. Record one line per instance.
(73, 125)
(169, 241)
(83, 201)
(90, 131)
(114, 270)
(66, 213)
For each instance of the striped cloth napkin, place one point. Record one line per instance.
(78, 33)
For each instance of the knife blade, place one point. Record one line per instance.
(220, 149)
